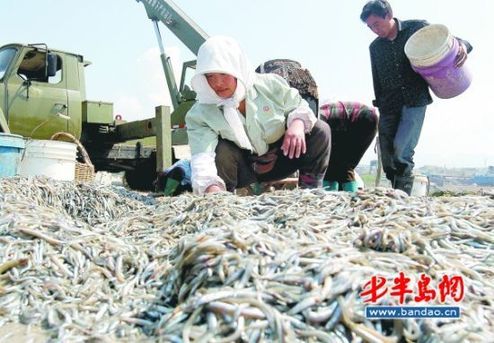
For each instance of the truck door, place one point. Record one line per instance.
(37, 104)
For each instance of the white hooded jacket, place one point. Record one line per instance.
(271, 105)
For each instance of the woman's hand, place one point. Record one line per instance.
(294, 140)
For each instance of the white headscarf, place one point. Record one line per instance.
(220, 54)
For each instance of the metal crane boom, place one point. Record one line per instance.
(177, 22)
(192, 36)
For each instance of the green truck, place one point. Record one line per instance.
(43, 91)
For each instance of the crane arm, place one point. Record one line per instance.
(184, 28)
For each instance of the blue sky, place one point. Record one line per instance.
(326, 36)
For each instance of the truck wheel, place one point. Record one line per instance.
(142, 176)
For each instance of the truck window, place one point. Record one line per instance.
(58, 76)
(6, 56)
(33, 67)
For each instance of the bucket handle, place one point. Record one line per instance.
(27, 140)
(80, 147)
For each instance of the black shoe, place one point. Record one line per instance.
(404, 183)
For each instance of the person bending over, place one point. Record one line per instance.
(353, 124)
(353, 128)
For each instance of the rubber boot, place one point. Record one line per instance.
(350, 186)
(171, 186)
(173, 180)
(256, 188)
(404, 183)
(330, 185)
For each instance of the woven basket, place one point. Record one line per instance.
(84, 169)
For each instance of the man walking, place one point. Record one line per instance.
(401, 94)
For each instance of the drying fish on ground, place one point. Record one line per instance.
(86, 262)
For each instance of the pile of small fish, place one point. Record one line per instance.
(85, 262)
(88, 202)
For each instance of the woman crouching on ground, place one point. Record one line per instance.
(247, 127)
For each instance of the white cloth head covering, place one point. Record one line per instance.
(221, 54)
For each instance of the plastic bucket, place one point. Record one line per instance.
(432, 52)
(54, 159)
(420, 185)
(11, 148)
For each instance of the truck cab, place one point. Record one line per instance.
(41, 91)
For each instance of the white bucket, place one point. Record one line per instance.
(432, 52)
(54, 159)
(359, 181)
(420, 186)
(429, 45)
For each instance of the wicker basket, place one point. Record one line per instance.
(84, 169)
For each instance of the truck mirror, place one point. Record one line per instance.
(52, 66)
